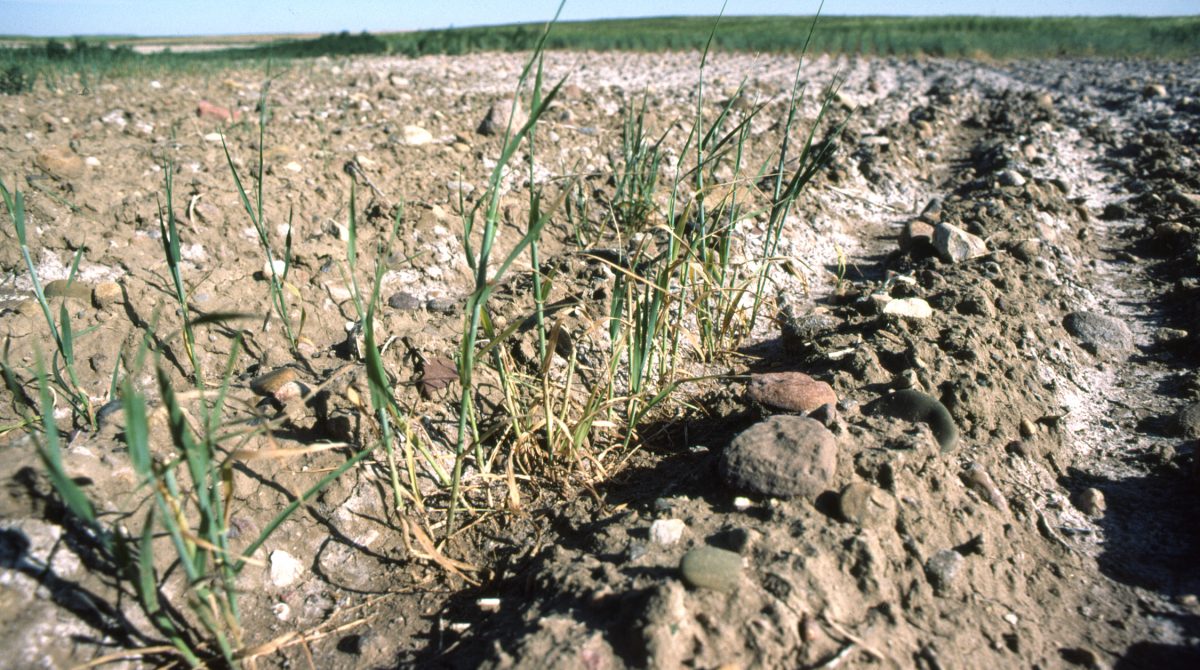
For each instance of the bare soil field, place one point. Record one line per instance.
(992, 291)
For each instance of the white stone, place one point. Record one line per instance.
(280, 267)
(293, 166)
(957, 245)
(285, 568)
(416, 135)
(909, 308)
(666, 532)
(92, 161)
(212, 137)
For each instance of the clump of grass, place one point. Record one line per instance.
(190, 492)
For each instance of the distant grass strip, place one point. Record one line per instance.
(947, 36)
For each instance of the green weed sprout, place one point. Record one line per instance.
(62, 333)
(277, 278)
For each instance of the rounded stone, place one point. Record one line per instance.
(783, 456)
(942, 570)
(1187, 421)
(957, 245)
(106, 294)
(61, 288)
(1099, 332)
(908, 308)
(711, 568)
(273, 381)
(1091, 502)
(865, 505)
(792, 391)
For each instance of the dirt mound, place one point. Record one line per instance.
(1003, 487)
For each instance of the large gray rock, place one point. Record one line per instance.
(957, 245)
(783, 457)
(1099, 332)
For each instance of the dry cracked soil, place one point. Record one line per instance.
(993, 289)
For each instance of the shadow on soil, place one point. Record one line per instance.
(1152, 541)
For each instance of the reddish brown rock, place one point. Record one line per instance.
(60, 162)
(207, 110)
(792, 391)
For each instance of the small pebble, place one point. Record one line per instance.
(60, 288)
(711, 568)
(909, 308)
(106, 294)
(285, 568)
(1028, 429)
(942, 569)
(1091, 502)
(273, 381)
(667, 532)
(280, 267)
(403, 300)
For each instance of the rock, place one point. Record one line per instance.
(917, 234)
(60, 162)
(666, 532)
(1154, 91)
(1081, 656)
(1187, 421)
(278, 265)
(827, 414)
(913, 405)
(908, 308)
(271, 382)
(285, 569)
(957, 245)
(865, 505)
(61, 288)
(1090, 501)
(711, 568)
(792, 391)
(497, 120)
(404, 301)
(942, 569)
(207, 110)
(1099, 332)
(1046, 102)
(416, 136)
(1190, 201)
(1011, 178)
(978, 480)
(106, 294)
(1027, 251)
(798, 332)
(116, 118)
(783, 456)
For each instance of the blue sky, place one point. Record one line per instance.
(222, 17)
